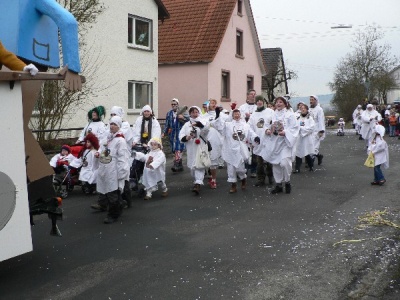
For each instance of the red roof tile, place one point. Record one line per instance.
(194, 31)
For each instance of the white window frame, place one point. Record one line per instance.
(133, 18)
(132, 94)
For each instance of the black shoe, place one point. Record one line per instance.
(311, 169)
(382, 182)
(259, 183)
(296, 171)
(110, 220)
(320, 157)
(375, 183)
(173, 169)
(288, 187)
(277, 189)
(360, 138)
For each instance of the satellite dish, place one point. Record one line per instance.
(7, 199)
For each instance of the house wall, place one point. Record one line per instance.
(239, 68)
(187, 82)
(394, 94)
(110, 63)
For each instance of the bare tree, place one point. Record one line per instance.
(275, 82)
(56, 104)
(363, 73)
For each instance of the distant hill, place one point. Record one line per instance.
(324, 101)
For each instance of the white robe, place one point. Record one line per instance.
(112, 176)
(127, 131)
(152, 176)
(155, 129)
(368, 125)
(381, 152)
(259, 121)
(305, 141)
(275, 147)
(87, 173)
(69, 158)
(191, 145)
(231, 147)
(214, 137)
(357, 116)
(247, 108)
(99, 129)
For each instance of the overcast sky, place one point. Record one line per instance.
(310, 47)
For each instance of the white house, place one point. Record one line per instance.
(122, 65)
(394, 94)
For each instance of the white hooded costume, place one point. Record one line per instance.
(237, 138)
(111, 176)
(319, 118)
(278, 150)
(357, 118)
(125, 127)
(259, 121)
(193, 145)
(155, 126)
(369, 120)
(152, 177)
(87, 173)
(214, 137)
(305, 141)
(379, 147)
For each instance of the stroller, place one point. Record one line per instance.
(136, 171)
(340, 131)
(67, 177)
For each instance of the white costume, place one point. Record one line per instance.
(98, 128)
(277, 149)
(155, 176)
(215, 138)
(111, 176)
(125, 127)
(154, 131)
(237, 137)
(259, 121)
(357, 118)
(87, 173)
(318, 114)
(305, 141)
(247, 108)
(380, 148)
(58, 157)
(194, 144)
(369, 119)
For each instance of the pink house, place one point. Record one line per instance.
(208, 49)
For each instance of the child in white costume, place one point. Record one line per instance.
(379, 148)
(237, 136)
(87, 161)
(154, 170)
(193, 134)
(64, 158)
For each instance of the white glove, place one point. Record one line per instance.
(32, 69)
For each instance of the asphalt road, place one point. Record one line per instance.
(249, 245)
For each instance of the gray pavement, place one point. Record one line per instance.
(250, 245)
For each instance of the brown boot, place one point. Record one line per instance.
(233, 188)
(196, 189)
(243, 183)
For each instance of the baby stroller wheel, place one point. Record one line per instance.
(63, 193)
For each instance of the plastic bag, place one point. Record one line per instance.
(370, 162)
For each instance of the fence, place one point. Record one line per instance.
(66, 134)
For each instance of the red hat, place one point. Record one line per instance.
(66, 147)
(93, 140)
